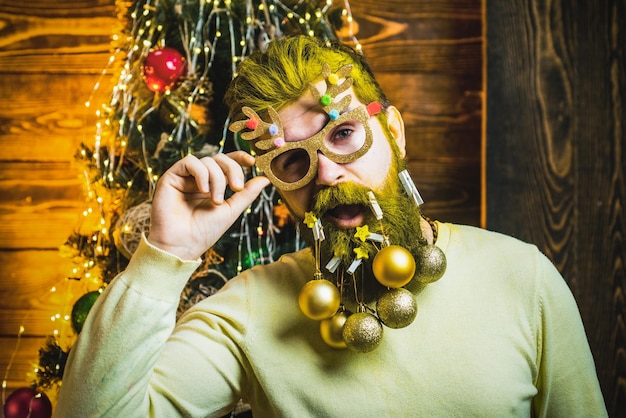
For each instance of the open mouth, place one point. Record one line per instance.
(347, 216)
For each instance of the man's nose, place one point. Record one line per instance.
(329, 173)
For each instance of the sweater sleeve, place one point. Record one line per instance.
(567, 382)
(110, 370)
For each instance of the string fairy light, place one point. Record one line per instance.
(10, 363)
(140, 130)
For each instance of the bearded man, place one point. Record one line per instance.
(332, 330)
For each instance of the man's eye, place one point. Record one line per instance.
(343, 133)
(293, 158)
(290, 160)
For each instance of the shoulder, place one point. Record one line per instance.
(461, 234)
(497, 257)
(478, 242)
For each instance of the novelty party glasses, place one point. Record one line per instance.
(293, 164)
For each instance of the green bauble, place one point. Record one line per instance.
(81, 309)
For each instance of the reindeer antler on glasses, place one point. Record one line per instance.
(333, 88)
(259, 128)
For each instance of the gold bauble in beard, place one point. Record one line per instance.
(362, 332)
(393, 266)
(431, 263)
(331, 329)
(396, 308)
(319, 299)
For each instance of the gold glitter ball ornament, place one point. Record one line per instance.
(319, 299)
(431, 263)
(362, 332)
(393, 266)
(331, 329)
(397, 308)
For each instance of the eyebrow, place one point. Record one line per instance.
(310, 110)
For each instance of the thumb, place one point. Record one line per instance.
(252, 189)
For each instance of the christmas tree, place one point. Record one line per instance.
(160, 98)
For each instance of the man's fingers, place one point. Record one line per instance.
(180, 172)
(213, 174)
(242, 199)
(231, 165)
(242, 157)
(216, 179)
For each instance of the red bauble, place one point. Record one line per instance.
(162, 68)
(28, 402)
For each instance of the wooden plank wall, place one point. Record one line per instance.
(556, 106)
(428, 56)
(51, 55)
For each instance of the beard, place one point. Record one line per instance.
(400, 224)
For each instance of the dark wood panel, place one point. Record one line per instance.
(451, 190)
(555, 157)
(442, 114)
(437, 21)
(419, 10)
(459, 58)
(428, 59)
(421, 37)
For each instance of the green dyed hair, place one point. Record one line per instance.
(284, 72)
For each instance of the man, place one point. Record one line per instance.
(498, 332)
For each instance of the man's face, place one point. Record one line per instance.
(305, 118)
(338, 193)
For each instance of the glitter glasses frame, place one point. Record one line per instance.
(313, 145)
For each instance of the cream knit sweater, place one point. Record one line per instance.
(499, 335)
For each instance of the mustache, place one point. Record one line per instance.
(341, 194)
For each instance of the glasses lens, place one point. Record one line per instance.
(291, 166)
(346, 138)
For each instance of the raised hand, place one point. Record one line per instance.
(189, 212)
